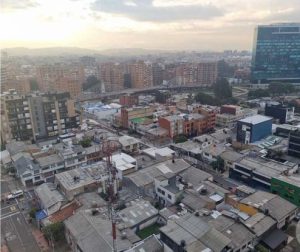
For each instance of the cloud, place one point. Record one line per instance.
(17, 4)
(146, 10)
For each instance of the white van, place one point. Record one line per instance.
(15, 194)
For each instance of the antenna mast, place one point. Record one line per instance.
(108, 148)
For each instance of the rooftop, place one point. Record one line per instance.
(84, 176)
(93, 232)
(49, 196)
(194, 176)
(279, 208)
(153, 151)
(193, 230)
(232, 156)
(190, 146)
(48, 160)
(267, 167)
(151, 243)
(293, 179)
(236, 232)
(123, 161)
(256, 119)
(128, 140)
(259, 223)
(165, 169)
(138, 212)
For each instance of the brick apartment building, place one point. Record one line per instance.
(136, 112)
(129, 100)
(112, 76)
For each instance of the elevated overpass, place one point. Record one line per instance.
(90, 96)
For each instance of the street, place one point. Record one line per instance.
(15, 231)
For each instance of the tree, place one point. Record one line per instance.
(258, 93)
(90, 82)
(190, 99)
(205, 99)
(277, 88)
(85, 142)
(161, 97)
(32, 212)
(219, 164)
(222, 89)
(33, 84)
(180, 139)
(54, 231)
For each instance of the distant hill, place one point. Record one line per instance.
(60, 51)
(50, 51)
(132, 51)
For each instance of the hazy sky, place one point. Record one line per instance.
(152, 24)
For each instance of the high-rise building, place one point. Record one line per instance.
(61, 78)
(16, 121)
(276, 53)
(36, 116)
(202, 74)
(112, 76)
(141, 75)
(52, 114)
(157, 72)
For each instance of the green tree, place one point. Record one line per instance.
(85, 142)
(219, 164)
(222, 89)
(91, 81)
(190, 99)
(180, 139)
(161, 97)
(54, 232)
(258, 93)
(205, 99)
(33, 84)
(32, 212)
(277, 88)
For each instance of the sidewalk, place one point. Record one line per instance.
(41, 240)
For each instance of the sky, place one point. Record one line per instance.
(151, 24)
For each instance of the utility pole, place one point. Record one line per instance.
(108, 148)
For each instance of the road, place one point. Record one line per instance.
(15, 231)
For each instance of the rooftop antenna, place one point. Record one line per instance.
(108, 148)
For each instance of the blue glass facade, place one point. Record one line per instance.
(276, 53)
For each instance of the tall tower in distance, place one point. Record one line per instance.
(276, 53)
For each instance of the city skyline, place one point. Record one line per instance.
(149, 24)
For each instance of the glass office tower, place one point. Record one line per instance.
(276, 53)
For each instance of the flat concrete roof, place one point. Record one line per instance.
(256, 119)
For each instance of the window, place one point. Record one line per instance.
(163, 192)
(169, 196)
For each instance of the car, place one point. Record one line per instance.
(15, 194)
(297, 217)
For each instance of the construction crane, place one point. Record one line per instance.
(108, 148)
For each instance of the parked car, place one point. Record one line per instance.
(15, 194)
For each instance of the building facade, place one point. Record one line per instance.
(294, 144)
(16, 120)
(36, 116)
(112, 76)
(253, 128)
(141, 75)
(279, 112)
(276, 53)
(287, 187)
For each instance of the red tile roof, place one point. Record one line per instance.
(65, 212)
